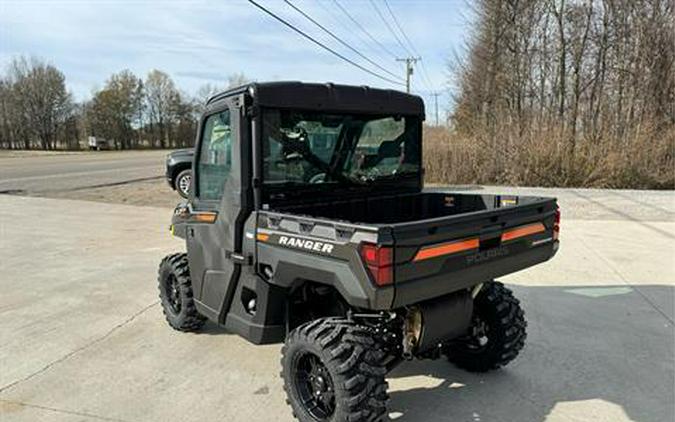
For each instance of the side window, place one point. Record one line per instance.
(215, 157)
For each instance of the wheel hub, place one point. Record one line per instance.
(184, 184)
(173, 294)
(320, 386)
(479, 333)
(315, 387)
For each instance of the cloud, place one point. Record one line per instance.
(204, 41)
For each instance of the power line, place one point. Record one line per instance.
(393, 55)
(400, 28)
(349, 28)
(425, 76)
(338, 39)
(320, 44)
(411, 54)
(398, 40)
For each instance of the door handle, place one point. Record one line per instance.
(239, 258)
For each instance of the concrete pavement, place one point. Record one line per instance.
(83, 338)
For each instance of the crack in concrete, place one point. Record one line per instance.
(70, 174)
(64, 411)
(79, 349)
(623, 214)
(20, 192)
(105, 185)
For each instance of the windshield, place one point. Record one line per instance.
(341, 149)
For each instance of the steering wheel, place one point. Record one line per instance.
(295, 134)
(318, 178)
(370, 174)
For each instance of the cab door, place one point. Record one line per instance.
(214, 239)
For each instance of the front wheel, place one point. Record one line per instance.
(497, 334)
(332, 371)
(175, 294)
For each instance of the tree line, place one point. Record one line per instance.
(564, 93)
(38, 112)
(550, 92)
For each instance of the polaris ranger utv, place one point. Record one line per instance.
(307, 223)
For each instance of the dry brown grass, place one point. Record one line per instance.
(642, 159)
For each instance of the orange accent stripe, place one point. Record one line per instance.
(263, 237)
(519, 232)
(205, 217)
(446, 249)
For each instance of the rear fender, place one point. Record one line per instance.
(290, 268)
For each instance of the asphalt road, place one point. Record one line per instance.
(84, 339)
(41, 173)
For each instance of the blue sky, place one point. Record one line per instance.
(199, 42)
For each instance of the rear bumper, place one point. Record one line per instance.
(414, 291)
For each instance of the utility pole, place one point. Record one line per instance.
(409, 62)
(436, 94)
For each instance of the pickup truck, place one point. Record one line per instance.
(179, 170)
(309, 224)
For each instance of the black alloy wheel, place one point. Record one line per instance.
(314, 386)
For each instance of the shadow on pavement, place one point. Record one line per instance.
(623, 214)
(213, 329)
(603, 347)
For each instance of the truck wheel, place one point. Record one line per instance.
(332, 372)
(497, 332)
(175, 293)
(182, 183)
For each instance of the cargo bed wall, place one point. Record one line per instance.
(394, 209)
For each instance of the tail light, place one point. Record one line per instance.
(379, 261)
(556, 224)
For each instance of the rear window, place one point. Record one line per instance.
(323, 148)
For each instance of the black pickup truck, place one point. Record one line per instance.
(179, 170)
(308, 224)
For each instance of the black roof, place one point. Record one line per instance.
(328, 97)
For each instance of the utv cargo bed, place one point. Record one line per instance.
(437, 238)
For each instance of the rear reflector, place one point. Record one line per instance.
(446, 249)
(523, 231)
(556, 224)
(379, 261)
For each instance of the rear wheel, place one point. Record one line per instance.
(175, 293)
(182, 183)
(332, 371)
(497, 334)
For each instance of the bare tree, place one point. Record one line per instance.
(7, 139)
(114, 110)
(237, 79)
(161, 98)
(38, 93)
(37, 111)
(184, 121)
(206, 91)
(584, 90)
